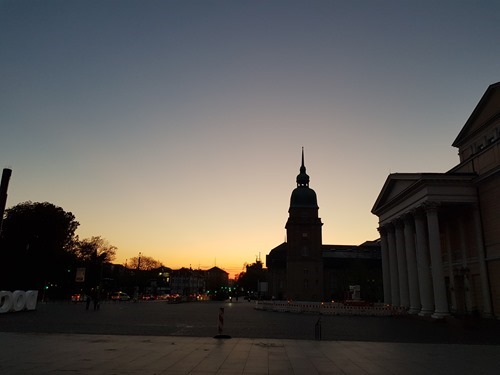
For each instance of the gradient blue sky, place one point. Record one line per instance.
(174, 128)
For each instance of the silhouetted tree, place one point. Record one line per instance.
(95, 249)
(93, 253)
(254, 274)
(37, 245)
(143, 263)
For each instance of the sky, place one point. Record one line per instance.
(175, 128)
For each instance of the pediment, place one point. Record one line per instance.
(402, 191)
(486, 110)
(394, 186)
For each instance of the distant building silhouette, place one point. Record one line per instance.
(440, 232)
(186, 281)
(303, 269)
(216, 278)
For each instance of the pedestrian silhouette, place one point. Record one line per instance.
(87, 301)
(95, 298)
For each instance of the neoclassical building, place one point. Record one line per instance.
(440, 232)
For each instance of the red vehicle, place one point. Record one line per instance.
(78, 297)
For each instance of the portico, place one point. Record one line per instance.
(431, 240)
(439, 232)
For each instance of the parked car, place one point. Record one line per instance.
(78, 297)
(120, 296)
(163, 296)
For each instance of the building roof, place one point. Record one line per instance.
(303, 195)
(411, 189)
(486, 110)
(217, 270)
(367, 250)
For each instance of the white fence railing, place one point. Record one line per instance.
(331, 308)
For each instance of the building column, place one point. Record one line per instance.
(404, 297)
(386, 273)
(451, 274)
(483, 270)
(393, 265)
(423, 266)
(438, 283)
(465, 271)
(411, 260)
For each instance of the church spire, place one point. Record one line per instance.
(302, 178)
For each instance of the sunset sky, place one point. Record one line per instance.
(174, 128)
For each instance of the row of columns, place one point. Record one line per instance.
(412, 264)
(412, 279)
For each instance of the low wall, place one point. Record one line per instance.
(331, 308)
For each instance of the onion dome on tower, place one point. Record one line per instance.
(303, 196)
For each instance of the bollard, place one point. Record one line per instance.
(221, 320)
(221, 326)
(317, 329)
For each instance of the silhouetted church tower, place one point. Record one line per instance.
(304, 263)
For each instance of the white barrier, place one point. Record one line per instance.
(331, 308)
(18, 300)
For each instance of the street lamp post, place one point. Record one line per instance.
(136, 291)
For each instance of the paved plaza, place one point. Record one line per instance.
(159, 338)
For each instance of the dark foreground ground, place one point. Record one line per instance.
(241, 320)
